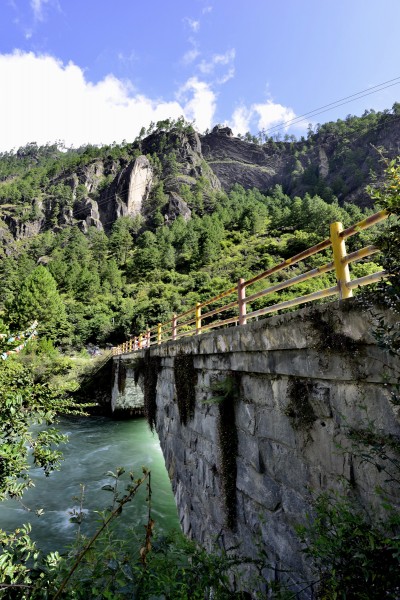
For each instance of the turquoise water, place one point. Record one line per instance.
(96, 445)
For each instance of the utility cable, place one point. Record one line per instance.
(336, 104)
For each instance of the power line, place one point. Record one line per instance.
(335, 104)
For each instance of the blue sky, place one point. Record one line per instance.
(96, 71)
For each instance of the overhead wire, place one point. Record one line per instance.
(335, 104)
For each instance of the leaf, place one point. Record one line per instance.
(108, 488)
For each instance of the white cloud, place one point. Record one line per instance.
(199, 102)
(240, 122)
(48, 101)
(260, 116)
(207, 9)
(228, 75)
(194, 25)
(271, 113)
(207, 67)
(190, 56)
(37, 8)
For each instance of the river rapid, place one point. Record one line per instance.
(96, 445)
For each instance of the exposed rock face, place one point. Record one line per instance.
(23, 229)
(323, 163)
(86, 211)
(127, 397)
(250, 165)
(117, 185)
(126, 194)
(177, 207)
(234, 161)
(140, 180)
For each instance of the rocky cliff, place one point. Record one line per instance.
(175, 170)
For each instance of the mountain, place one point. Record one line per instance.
(122, 236)
(174, 171)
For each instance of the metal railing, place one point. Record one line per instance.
(191, 322)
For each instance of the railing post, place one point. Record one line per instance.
(341, 269)
(242, 302)
(174, 326)
(159, 334)
(198, 318)
(130, 345)
(135, 343)
(140, 341)
(148, 338)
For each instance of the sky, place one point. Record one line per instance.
(97, 71)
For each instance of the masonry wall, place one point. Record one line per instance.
(298, 383)
(126, 395)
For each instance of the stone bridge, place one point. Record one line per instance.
(254, 420)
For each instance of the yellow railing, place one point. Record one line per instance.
(191, 321)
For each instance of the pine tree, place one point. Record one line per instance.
(39, 299)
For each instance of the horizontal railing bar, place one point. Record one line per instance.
(190, 310)
(293, 281)
(359, 254)
(187, 322)
(364, 224)
(219, 323)
(219, 297)
(219, 310)
(290, 261)
(367, 279)
(183, 333)
(294, 302)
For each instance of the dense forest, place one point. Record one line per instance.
(89, 274)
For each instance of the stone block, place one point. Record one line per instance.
(257, 389)
(285, 465)
(257, 486)
(275, 425)
(245, 415)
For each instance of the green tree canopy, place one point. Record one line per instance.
(39, 299)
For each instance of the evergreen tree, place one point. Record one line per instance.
(39, 299)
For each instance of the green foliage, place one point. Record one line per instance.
(38, 299)
(355, 556)
(24, 403)
(388, 195)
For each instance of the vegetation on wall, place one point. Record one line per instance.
(148, 368)
(185, 383)
(225, 395)
(299, 409)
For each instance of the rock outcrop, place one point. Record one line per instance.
(179, 162)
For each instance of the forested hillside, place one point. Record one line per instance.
(97, 243)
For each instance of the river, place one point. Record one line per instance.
(96, 445)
